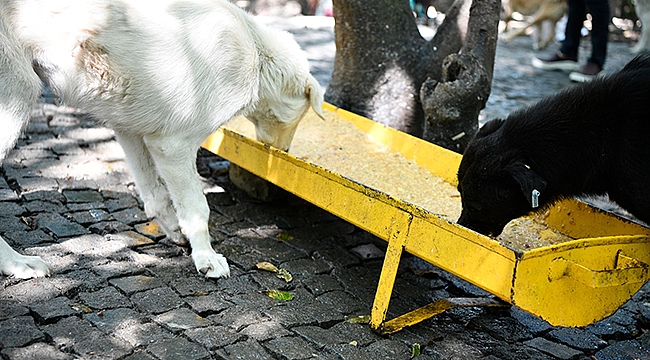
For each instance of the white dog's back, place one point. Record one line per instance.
(95, 59)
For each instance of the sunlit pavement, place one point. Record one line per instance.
(121, 291)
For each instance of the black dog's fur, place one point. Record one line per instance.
(593, 138)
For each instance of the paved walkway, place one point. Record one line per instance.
(120, 291)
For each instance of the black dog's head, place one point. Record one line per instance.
(495, 183)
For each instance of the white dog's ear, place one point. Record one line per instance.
(315, 95)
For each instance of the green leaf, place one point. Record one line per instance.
(415, 350)
(278, 294)
(284, 236)
(363, 319)
(284, 274)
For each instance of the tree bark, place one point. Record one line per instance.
(386, 71)
(452, 105)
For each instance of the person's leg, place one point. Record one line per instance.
(566, 59)
(599, 10)
(575, 19)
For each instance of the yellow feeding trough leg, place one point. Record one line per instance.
(398, 235)
(396, 241)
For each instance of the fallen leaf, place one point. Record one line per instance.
(278, 294)
(415, 350)
(284, 236)
(81, 308)
(284, 274)
(363, 319)
(267, 266)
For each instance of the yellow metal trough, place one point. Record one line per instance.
(570, 284)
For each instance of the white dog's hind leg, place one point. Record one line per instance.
(19, 89)
(175, 160)
(152, 190)
(21, 266)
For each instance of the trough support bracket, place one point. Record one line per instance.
(433, 309)
(378, 321)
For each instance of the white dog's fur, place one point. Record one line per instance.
(642, 9)
(163, 74)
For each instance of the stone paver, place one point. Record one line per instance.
(120, 290)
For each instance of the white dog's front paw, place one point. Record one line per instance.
(211, 264)
(25, 267)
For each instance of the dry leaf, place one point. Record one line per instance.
(267, 266)
(285, 275)
(81, 308)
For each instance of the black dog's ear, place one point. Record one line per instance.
(489, 127)
(532, 184)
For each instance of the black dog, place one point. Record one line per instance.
(593, 138)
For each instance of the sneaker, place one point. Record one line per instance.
(587, 72)
(557, 61)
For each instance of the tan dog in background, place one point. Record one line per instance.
(541, 11)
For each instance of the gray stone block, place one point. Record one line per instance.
(214, 337)
(82, 196)
(19, 331)
(245, 350)
(130, 238)
(156, 301)
(130, 216)
(136, 283)
(26, 239)
(577, 338)
(181, 319)
(8, 208)
(91, 216)
(320, 337)
(109, 227)
(59, 226)
(37, 351)
(113, 320)
(104, 298)
(624, 350)
(290, 348)
(10, 309)
(79, 336)
(53, 309)
(552, 348)
(178, 348)
(207, 305)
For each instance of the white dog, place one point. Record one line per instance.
(163, 74)
(642, 9)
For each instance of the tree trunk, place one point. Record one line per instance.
(386, 71)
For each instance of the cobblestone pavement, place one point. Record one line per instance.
(120, 291)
